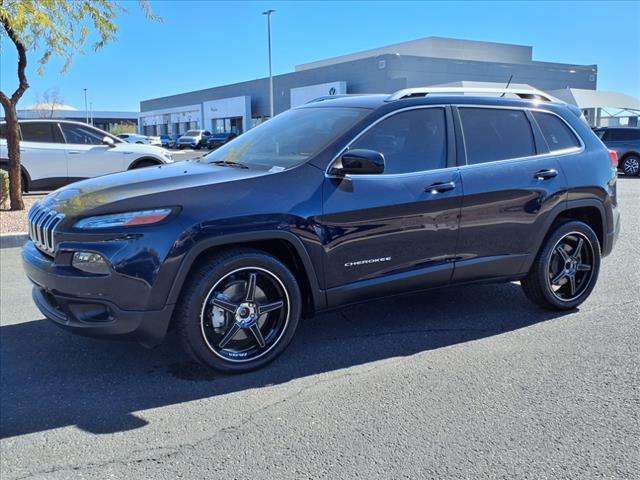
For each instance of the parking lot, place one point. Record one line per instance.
(470, 382)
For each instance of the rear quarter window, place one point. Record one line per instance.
(492, 134)
(556, 132)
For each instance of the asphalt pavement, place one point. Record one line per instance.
(470, 382)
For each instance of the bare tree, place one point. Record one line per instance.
(48, 103)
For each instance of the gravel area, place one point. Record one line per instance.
(16, 222)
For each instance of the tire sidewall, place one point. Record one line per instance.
(202, 288)
(546, 252)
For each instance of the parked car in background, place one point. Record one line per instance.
(329, 204)
(169, 141)
(137, 138)
(216, 140)
(625, 141)
(194, 139)
(57, 152)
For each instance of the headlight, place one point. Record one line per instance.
(127, 219)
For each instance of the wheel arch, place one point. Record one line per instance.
(140, 160)
(590, 211)
(282, 245)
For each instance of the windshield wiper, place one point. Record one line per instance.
(227, 163)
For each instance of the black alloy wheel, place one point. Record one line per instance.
(245, 314)
(566, 269)
(570, 266)
(238, 310)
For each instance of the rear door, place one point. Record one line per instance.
(511, 182)
(43, 155)
(397, 230)
(87, 155)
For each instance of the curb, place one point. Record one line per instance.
(11, 240)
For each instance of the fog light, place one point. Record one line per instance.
(90, 262)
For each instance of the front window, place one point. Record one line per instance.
(288, 139)
(192, 133)
(84, 134)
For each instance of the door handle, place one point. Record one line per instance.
(546, 174)
(74, 152)
(440, 187)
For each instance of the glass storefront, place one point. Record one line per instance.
(227, 125)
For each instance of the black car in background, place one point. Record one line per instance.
(625, 141)
(218, 139)
(331, 203)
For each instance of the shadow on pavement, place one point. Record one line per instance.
(52, 379)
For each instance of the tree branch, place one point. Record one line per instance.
(22, 62)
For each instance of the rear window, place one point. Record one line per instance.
(557, 134)
(492, 134)
(37, 132)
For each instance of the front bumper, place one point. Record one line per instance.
(82, 304)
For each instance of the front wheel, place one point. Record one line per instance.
(238, 311)
(566, 269)
(631, 165)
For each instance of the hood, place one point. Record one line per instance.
(141, 148)
(93, 193)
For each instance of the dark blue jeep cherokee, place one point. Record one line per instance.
(338, 201)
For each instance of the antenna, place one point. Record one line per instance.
(507, 86)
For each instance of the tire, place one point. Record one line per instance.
(215, 319)
(631, 165)
(571, 250)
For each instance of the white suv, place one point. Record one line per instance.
(57, 152)
(136, 138)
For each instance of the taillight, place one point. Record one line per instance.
(613, 155)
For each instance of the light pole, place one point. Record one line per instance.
(268, 14)
(86, 110)
(91, 112)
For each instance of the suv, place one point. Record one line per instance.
(327, 204)
(194, 139)
(625, 142)
(216, 140)
(137, 138)
(58, 152)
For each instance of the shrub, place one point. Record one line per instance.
(4, 188)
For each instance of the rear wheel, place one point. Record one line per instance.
(631, 165)
(238, 311)
(566, 269)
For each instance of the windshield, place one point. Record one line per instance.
(192, 133)
(288, 139)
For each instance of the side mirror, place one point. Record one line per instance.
(108, 141)
(360, 162)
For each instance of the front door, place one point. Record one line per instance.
(87, 155)
(394, 231)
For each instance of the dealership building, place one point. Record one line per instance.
(417, 63)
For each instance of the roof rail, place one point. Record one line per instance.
(524, 93)
(331, 97)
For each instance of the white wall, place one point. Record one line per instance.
(302, 95)
(228, 108)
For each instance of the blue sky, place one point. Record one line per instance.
(204, 44)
